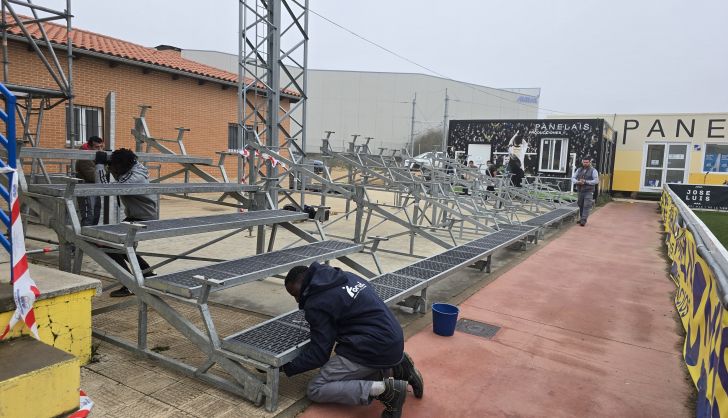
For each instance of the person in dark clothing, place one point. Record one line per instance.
(90, 206)
(125, 168)
(585, 179)
(516, 169)
(492, 172)
(342, 309)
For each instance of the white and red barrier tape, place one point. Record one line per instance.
(246, 153)
(85, 408)
(25, 292)
(24, 289)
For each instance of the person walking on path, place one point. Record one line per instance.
(125, 169)
(342, 309)
(585, 178)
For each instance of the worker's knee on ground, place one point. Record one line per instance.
(313, 390)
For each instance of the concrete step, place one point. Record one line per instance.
(37, 380)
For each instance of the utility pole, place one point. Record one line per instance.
(412, 128)
(444, 126)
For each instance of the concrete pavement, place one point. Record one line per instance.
(587, 329)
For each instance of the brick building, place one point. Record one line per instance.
(181, 92)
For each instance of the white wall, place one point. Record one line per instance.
(380, 105)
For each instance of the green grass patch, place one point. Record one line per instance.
(717, 222)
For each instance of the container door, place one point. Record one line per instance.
(676, 163)
(664, 163)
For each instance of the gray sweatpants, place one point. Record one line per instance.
(341, 380)
(585, 202)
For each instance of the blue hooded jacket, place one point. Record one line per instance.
(343, 308)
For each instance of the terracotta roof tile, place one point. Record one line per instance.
(90, 41)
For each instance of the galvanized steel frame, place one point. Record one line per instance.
(243, 382)
(272, 57)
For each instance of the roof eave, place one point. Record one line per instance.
(142, 64)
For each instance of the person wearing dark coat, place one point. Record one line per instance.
(346, 315)
(89, 206)
(516, 169)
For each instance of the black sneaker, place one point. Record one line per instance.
(406, 370)
(120, 293)
(393, 398)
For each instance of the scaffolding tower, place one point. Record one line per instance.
(22, 20)
(272, 61)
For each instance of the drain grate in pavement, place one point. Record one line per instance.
(479, 329)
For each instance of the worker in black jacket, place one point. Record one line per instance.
(90, 206)
(342, 309)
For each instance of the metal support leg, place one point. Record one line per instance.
(375, 246)
(422, 303)
(77, 261)
(359, 199)
(272, 379)
(142, 320)
(272, 240)
(260, 245)
(65, 254)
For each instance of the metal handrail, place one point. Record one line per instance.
(707, 245)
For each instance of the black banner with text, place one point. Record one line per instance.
(700, 196)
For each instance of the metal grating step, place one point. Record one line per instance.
(121, 189)
(386, 293)
(417, 273)
(484, 244)
(185, 226)
(395, 281)
(552, 216)
(445, 258)
(457, 257)
(297, 318)
(432, 265)
(244, 270)
(466, 251)
(274, 337)
(333, 245)
(515, 227)
(235, 267)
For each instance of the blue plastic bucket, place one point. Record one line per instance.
(444, 318)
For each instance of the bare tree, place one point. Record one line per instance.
(429, 140)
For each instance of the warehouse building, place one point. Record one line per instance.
(391, 108)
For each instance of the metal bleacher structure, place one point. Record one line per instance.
(280, 339)
(192, 286)
(269, 345)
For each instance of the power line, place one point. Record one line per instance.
(430, 70)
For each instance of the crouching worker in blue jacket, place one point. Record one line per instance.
(343, 309)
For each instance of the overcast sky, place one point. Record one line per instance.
(616, 56)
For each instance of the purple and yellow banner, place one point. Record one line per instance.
(702, 314)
